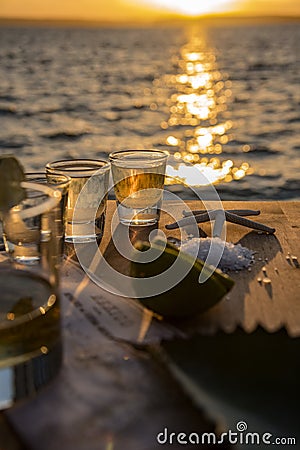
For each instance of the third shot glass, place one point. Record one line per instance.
(138, 177)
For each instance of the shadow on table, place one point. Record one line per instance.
(121, 245)
(237, 377)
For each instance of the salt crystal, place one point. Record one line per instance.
(259, 280)
(266, 280)
(234, 256)
(264, 269)
(295, 261)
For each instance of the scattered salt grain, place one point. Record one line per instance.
(234, 257)
(266, 280)
(259, 280)
(295, 261)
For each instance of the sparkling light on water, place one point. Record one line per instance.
(198, 125)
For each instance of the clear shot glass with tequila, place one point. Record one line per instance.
(138, 177)
(86, 205)
(30, 328)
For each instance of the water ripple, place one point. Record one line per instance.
(229, 104)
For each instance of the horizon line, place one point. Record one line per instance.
(172, 19)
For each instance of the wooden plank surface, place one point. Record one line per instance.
(8, 438)
(250, 303)
(110, 393)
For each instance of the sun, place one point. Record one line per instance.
(191, 7)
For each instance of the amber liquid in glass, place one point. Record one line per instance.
(139, 193)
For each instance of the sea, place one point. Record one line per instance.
(224, 99)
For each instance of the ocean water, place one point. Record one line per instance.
(226, 99)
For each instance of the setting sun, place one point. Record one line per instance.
(192, 7)
(141, 10)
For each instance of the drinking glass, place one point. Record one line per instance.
(27, 226)
(87, 197)
(138, 177)
(30, 329)
(61, 183)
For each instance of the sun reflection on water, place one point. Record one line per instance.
(199, 124)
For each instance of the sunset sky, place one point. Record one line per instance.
(136, 10)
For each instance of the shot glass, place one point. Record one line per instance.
(30, 328)
(138, 177)
(29, 227)
(87, 197)
(61, 183)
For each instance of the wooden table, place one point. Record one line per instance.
(112, 394)
(250, 303)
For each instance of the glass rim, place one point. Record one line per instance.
(43, 176)
(73, 167)
(54, 197)
(36, 312)
(117, 155)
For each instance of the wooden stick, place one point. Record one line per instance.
(190, 220)
(248, 223)
(230, 217)
(238, 212)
